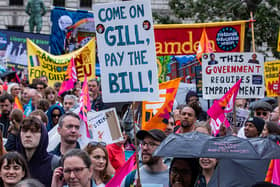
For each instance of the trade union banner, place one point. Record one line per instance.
(41, 63)
(272, 78)
(220, 71)
(183, 39)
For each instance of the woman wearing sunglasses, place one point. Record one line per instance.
(99, 159)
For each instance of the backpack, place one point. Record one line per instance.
(130, 178)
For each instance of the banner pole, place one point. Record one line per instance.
(234, 119)
(136, 145)
(253, 34)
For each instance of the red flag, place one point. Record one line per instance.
(17, 104)
(122, 172)
(85, 105)
(204, 45)
(225, 104)
(70, 79)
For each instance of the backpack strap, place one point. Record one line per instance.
(130, 178)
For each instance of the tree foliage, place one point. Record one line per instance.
(266, 13)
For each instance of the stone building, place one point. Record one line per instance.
(13, 16)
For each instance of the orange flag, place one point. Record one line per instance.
(17, 104)
(204, 45)
(156, 114)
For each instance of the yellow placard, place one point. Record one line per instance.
(54, 67)
(271, 73)
(278, 43)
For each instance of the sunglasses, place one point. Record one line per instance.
(261, 113)
(94, 143)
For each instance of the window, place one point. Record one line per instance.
(59, 3)
(15, 28)
(16, 2)
(86, 3)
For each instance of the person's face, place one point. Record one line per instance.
(76, 173)
(170, 126)
(254, 56)
(15, 90)
(149, 145)
(180, 174)
(250, 130)
(193, 99)
(30, 138)
(51, 96)
(274, 115)
(212, 57)
(98, 159)
(265, 131)
(240, 103)
(40, 88)
(77, 92)
(92, 86)
(70, 130)
(25, 95)
(44, 79)
(6, 107)
(187, 117)
(12, 173)
(202, 130)
(55, 116)
(262, 114)
(208, 163)
(68, 103)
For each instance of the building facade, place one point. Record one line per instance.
(13, 16)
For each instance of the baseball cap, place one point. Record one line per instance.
(262, 105)
(154, 133)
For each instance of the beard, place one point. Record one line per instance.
(153, 160)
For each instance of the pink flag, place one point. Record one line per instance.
(122, 172)
(225, 104)
(276, 172)
(216, 124)
(85, 105)
(70, 79)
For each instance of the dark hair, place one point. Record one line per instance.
(17, 115)
(43, 104)
(273, 128)
(60, 121)
(40, 83)
(6, 96)
(57, 84)
(89, 148)
(49, 90)
(78, 153)
(194, 165)
(40, 113)
(31, 121)
(95, 80)
(15, 157)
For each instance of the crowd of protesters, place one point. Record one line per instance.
(25, 160)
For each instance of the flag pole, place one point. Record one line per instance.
(253, 34)
(136, 145)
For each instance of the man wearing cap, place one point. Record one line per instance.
(253, 127)
(262, 109)
(153, 171)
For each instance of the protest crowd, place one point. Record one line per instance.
(64, 126)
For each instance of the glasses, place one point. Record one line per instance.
(149, 144)
(94, 143)
(261, 113)
(56, 115)
(77, 171)
(175, 171)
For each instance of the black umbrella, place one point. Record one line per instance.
(196, 144)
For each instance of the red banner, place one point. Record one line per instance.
(183, 39)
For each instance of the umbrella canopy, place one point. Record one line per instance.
(196, 144)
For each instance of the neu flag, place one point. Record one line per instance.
(225, 104)
(28, 108)
(204, 45)
(122, 172)
(85, 105)
(70, 79)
